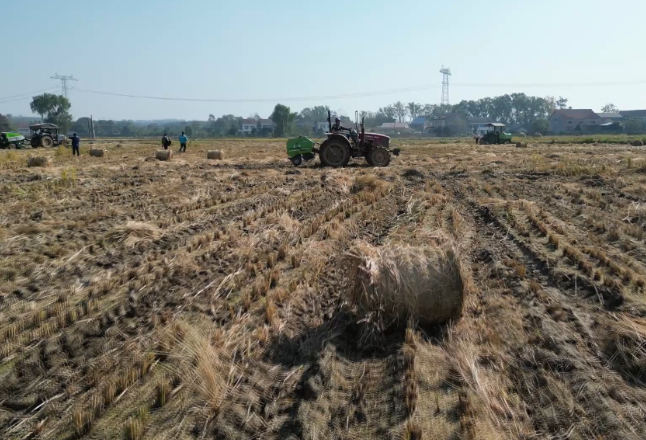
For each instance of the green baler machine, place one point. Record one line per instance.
(300, 149)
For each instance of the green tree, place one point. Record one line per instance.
(634, 126)
(561, 103)
(386, 114)
(211, 118)
(414, 110)
(400, 111)
(127, 130)
(80, 127)
(540, 126)
(284, 120)
(610, 108)
(188, 130)
(53, 109)
(4, 123)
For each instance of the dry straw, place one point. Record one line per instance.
(94, 152)
(164, 155)
(394, 283)
(214, 155)
(39, 161)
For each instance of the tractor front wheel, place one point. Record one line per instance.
(46, 142)
(335, 153)
(378, 157)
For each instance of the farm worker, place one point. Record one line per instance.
(76, 143)
(337, 125)
(165, 142)
(183, 139)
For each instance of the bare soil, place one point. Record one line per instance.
(207, 299)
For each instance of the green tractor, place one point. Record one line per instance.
(495, 135)
(45, 135)
(11, 140)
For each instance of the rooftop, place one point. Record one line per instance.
(572, 113)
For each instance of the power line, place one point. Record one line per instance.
(28, 94)
(366, 94)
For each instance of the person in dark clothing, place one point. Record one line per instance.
(337, 125)
(76, 145)
(165, 142)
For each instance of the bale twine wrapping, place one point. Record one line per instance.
(39, 161)
(164, 154)
(637, 143)
(394, 283)
(95, 152)
(214, 155)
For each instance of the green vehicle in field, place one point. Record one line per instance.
(11, 140)
(495, 135)
(300, 149)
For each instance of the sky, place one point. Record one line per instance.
(285, 50)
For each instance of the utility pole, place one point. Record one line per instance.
(64, 79)
(446, 73)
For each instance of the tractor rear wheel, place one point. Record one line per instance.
(46, 142)
(335, 153)
(378, 157)
(35, 142)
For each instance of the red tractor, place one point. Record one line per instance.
(340, 146)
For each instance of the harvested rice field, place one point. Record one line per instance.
(221, 299)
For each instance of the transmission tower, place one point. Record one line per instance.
(64, 79)
(446, 73)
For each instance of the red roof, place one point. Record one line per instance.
(576, 114)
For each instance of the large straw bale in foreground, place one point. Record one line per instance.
(214, 154)
(96, 152)
(164, 154)
(39, 161)
(393, 283)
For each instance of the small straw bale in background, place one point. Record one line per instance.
(637, 143)
(39, 161)
(214, 154)
(521, 144)
(95, 152)
(394, 283)
(164, 154)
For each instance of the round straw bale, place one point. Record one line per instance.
(393, 283)
(39, 161)
(637, 143)
(95, 152)
(164, 154)
(214, 154)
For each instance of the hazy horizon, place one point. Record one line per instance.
(288, 50)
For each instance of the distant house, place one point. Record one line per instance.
(457, 123)
(391, 127)
(634, 114)
(418, 123)
(23, 129)
(567, 121)
(610, 117)
(247, 125)
(266, 125)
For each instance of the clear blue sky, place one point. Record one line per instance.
(296, 48)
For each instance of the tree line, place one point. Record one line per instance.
(515, 110)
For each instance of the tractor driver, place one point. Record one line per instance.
(337, 126)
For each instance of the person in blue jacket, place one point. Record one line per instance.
(76, 144)
(183, 139)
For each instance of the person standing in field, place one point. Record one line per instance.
(183, 139)
(165, 142)
(76, 145)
